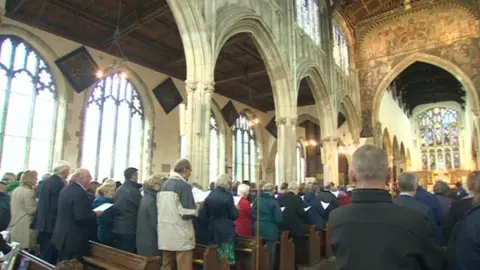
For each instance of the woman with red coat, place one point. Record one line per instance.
(243, 224)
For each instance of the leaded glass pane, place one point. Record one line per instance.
(308, 18)
(438, 130)
(28, 117)
(244, 150)
(113, 128)
(340, 49)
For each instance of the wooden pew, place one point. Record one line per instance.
(311, 245)
(205, 258)
(328, 242)
(28, 261)
(287, 252)
(109, 258)
(246, 252)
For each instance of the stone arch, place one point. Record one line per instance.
(403, 156)
(62, 87)
(408, 161)
(222, 127)
(306, 116)
(395, 149)
(323, 101)
(192, 28)
(234, 20)
(353, 119)
(450, 67)
(387, 142)
(149, 117)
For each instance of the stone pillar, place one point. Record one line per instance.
(476, 126)
(199, 95)
(287, 147)
(390, 168)
(330, 159)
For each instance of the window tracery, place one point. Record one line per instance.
(308, 18)
(439, 142)
(113, 128)
(244, 152)
(340, 49)
(28, 96)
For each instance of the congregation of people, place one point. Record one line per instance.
(369, 227)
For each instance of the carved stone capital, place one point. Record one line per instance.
(330, 139)
(476, 113)
(209, 86)
(190, 86)
(286, 121)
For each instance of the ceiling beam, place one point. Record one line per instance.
(151, 16)
(249, 75)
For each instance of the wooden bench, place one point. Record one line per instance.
(327, 248)
(28, 261)
(247, 251)
(312, 240)
(205, 257)
(286, 252)
(109, 258)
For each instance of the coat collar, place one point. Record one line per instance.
(371, 195)
(175, 175)
(130, 183)
(150, 192)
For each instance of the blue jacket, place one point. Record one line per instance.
(270, 217)
(316, 212)
(464, 245)
(105, 222)
(220, 211)
(431, 201)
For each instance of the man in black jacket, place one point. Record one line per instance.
(5, 215)
(70, 236)
(127, 201)
(373, 233)
(47, 210)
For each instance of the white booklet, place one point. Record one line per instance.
(200, 196)
(236, 199)
(324, 204)
(103, 207)
(306, 208)
(282, 208)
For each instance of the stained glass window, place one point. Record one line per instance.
(340, 49)
(308, 18)
(439, 139)
(244, 151)
(113, 128)
(28, 97)
(213, 149)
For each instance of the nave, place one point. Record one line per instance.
(267, 92)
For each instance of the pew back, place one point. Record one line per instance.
(312, 245)
(205, 257)
(110, 258)
(247, 251)
(31, 262)
(287, 252)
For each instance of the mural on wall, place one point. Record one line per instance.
(447, 30)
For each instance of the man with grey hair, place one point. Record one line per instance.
(176, 209)
(373, 233)
(407, 184)
(47, 209)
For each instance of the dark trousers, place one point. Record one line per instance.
(126, 242)
(272, 247)
(298, 241)
(47, 251)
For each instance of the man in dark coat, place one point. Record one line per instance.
(47, 210)
(127, 201)
(5, 215)
(373, 233)
(432, 202)
(70, 236)
(147, 237)
(407, 184)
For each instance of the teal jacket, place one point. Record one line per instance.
(269, 218)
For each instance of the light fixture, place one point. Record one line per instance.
(99, 74)
(312, 143)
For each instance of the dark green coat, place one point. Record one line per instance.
(270, 217)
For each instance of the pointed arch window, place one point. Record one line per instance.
(438, 138)
(113, 128)
(28, 97)
(213, 149)
(300, 163)
(244, 152)
(340, 49)
(308, 18)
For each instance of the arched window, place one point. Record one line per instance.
(340, 49)
(244, 151)
(112, 128)
(439, 139)
(308, 18)
(29, 108)
(213, 149)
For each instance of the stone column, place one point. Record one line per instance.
(330, 159)
(287, 147)
(199, 95)
(476, 117)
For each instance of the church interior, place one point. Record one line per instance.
(263, 90)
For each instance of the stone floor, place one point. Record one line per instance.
(326, 265)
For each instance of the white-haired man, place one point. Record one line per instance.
(47, 209)
(373, 233)
(70, 236)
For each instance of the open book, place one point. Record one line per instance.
(103, 207)
(199, 195)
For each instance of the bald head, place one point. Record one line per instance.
(369, 164)
(81, 176)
